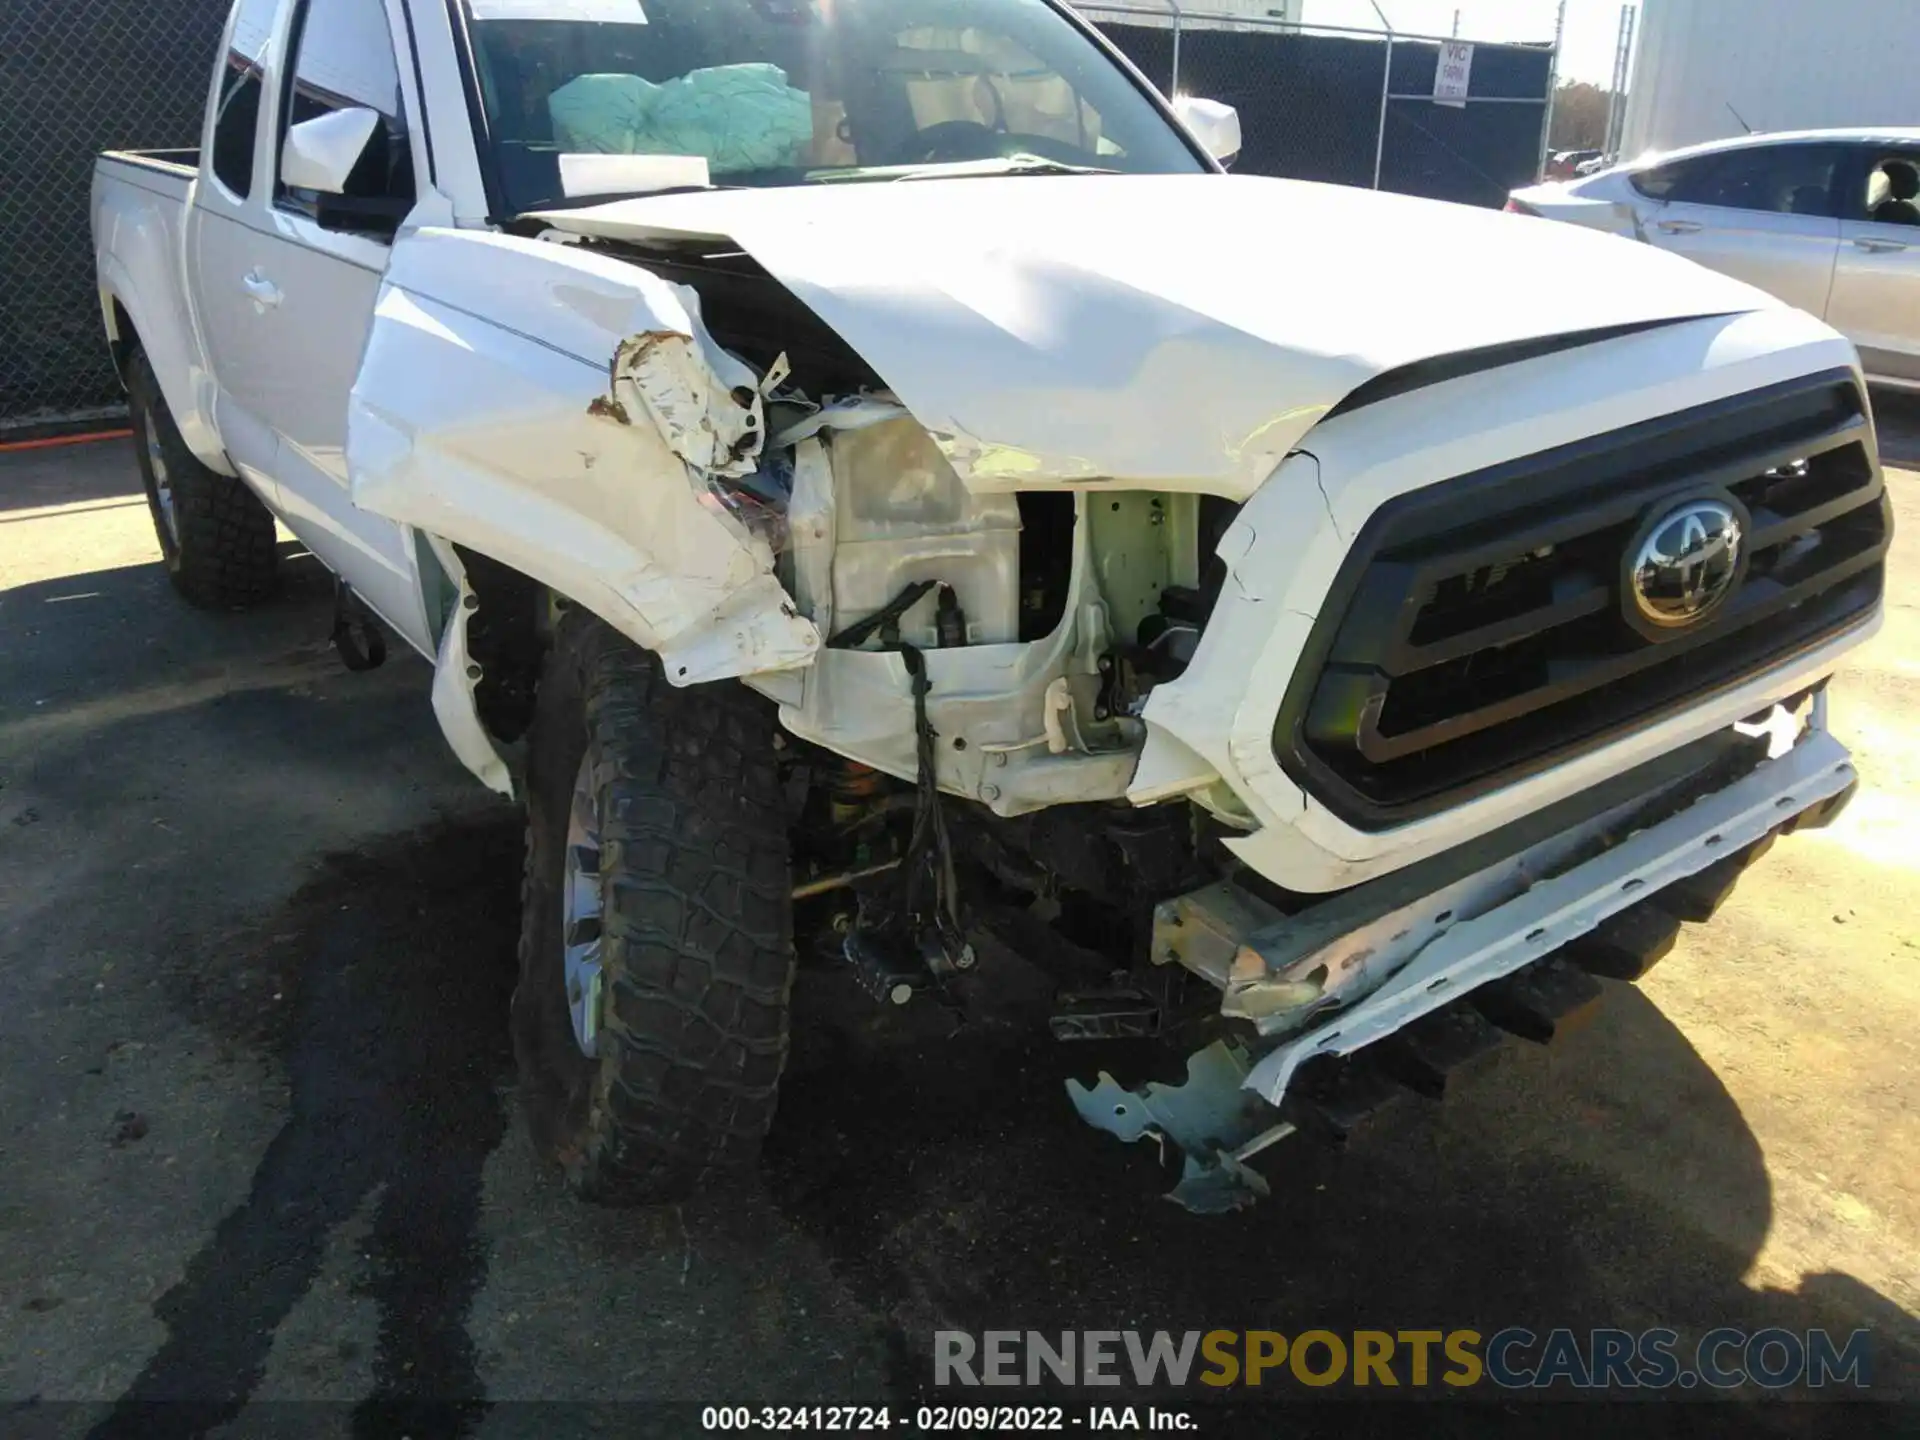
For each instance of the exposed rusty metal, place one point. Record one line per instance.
(608, 408)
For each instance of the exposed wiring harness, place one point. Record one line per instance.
(930, 850)
(930, 890)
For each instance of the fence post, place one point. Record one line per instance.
(1173, 80)
(1553, 89)
(1386, 90)
(1622, 70)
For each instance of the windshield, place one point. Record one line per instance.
(788, 92)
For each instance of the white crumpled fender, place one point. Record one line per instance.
(566, 413)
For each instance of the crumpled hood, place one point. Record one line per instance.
(1182, 329)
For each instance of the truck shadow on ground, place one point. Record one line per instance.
(951, 1178)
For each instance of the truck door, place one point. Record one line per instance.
(1765, 214)
(1876, 288)
(323, 257)
(223, 241)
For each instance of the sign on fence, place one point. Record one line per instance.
(1453, 76)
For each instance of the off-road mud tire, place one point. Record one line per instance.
(220, 551)
(696, 926)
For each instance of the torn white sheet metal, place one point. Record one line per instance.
(663, 376)
(584, 459)
(855, 412)
(1553, 911)
(1216, 720)
(455, 677)
(1210, 1118)
(1174, 331)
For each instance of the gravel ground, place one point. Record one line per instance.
(258, 1141)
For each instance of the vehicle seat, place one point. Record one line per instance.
(1808, 200)
(1903, 188)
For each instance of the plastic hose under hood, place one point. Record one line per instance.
(1179, 331)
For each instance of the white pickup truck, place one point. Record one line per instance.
(864, 471)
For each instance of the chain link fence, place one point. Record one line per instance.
(1353, 107)
(78, 77)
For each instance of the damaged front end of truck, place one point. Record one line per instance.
(1260, 670)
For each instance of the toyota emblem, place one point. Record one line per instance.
(1688, 562)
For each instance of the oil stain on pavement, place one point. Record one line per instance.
(395, 1048)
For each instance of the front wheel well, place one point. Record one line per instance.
(123, 338)
(507, 637)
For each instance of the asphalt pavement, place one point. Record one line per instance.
(258, 1142)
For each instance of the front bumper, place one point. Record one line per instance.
(1554, 911)
(1459, 948)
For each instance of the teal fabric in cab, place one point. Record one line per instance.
(741, 117)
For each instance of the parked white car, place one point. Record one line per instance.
(1828, 220)
(961, 511)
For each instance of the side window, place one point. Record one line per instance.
(1776, 179)
(1892, 195)
(1663, 181)
(236, 116)
(342, 59)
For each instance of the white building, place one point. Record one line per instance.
(1712, 68)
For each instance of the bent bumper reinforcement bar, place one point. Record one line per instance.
(1221, 1116)
(1569, 905)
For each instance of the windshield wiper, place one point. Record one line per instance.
(609, 197)
(1022, 164)
(993, 165)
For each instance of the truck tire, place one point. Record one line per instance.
(656, 943)
(216, 537)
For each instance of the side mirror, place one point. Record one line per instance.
(1214, 125)
(320, 153)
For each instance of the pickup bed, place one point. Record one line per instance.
(868, 481)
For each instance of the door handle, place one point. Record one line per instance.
(1679, 227)
(264, 293)
(1880, 247)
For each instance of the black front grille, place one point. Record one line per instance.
(1480, 629)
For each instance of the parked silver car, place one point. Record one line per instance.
(1828, 220)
